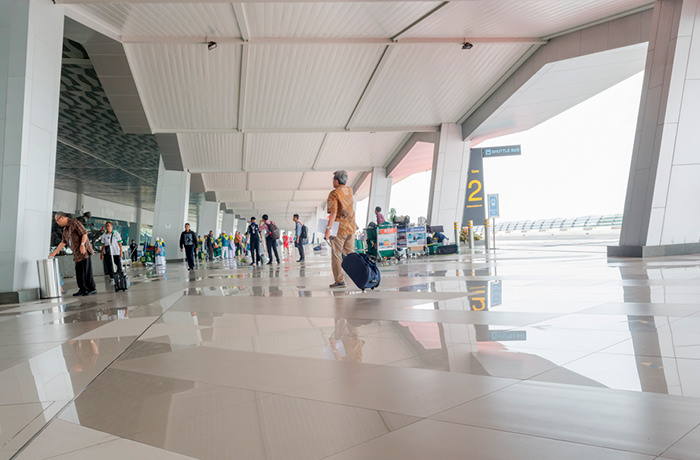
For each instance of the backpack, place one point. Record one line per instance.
(304, 232)
(274, 231)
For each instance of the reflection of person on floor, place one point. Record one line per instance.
(349, 336)
(87, 352)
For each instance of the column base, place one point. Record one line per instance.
(654, 251)
(25, 295)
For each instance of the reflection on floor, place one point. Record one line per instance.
(543, 349)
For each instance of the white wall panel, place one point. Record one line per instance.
(281, 151)
(224, 181)
(428, 84)
(523, 18)
(186, 86)
(306, 85)
(358, 150)
(333, 19)
(229, 196)
(166, 20)
(211, 151)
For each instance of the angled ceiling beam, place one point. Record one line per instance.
(419, 20)
(381, 64)
(241, 20)
(320, 150)
(401, 152)
(327, 40)
(359, 129)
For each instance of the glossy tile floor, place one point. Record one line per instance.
(543, 349)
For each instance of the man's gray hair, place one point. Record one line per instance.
(60, 214)
(341, 176)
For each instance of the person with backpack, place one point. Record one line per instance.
(300, 236)
(272, 234)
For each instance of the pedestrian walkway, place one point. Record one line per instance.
(543, 350)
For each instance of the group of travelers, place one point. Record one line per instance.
(341, 238)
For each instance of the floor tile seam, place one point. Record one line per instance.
(97, 376)
(91, 446)
(36, 417)
(679, 440)
(539, 436)
(389, 431)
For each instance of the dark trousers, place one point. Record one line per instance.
(210, 252)
(189, 255)
(300, 247)
(110, 266)
(272, 247)
(255, 250)
(135, 255)
(83, 275)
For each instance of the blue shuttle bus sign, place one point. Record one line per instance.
(504, 151)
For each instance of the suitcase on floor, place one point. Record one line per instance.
(362, 271)
(446, 249)
(121, 282)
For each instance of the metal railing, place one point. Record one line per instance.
(584, 222)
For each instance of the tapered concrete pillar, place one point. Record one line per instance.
(227, 222)
(379, 193)
(172, 201)
(209, 218)
(661, 216)
(31, 38)
(449, 180)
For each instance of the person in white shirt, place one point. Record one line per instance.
(111, 247)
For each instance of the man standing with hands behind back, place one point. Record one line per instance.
(341, 209)
(76, 238)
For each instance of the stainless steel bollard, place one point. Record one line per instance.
(487, 234)
(470, 228)
(49, 278)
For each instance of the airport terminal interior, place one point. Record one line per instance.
(559, 339)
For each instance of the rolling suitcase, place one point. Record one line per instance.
(446, 249)
(121, 282)
(362, 271)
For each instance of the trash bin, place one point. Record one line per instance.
(49, 278)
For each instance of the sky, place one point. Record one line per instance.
(575, 164)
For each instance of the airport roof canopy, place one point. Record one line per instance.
(290, 91)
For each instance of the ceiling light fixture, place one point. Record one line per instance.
(467, 46)
(211, 45)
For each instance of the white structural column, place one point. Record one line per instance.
(661, 215)
(449, 180)
(379, 193)
(172, 201)
(227, 223)
(31, 37)
(209, 218)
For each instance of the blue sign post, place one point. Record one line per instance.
(493, 205)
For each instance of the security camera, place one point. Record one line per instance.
(467, 46)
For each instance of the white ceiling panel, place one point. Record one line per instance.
(281, 151)
(224, 181)
(272, 195)
(306, 86)
(311, 195)
(274, 181)
(323, 180)
(358, 150)
(426, 85)
(517, 18)
(342, 19)
(181, 85)
(241, 206)
(166, 20)
(211, 151)
(229, 196)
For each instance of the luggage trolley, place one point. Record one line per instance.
(381, 241)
